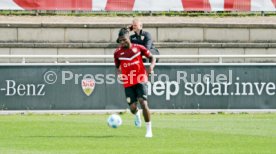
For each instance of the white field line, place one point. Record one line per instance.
(173, 111)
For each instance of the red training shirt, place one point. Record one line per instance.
(131, 64)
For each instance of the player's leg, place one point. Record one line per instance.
(131, 98)
(146, 111)
(142, 98)
(132, 102)
(133, 108)
(146, 114)
(137, 116)
(141, 90)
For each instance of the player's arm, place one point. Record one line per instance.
(152, 64)
(118, 69)
(119, 72)
(117, 64)
(147, 53)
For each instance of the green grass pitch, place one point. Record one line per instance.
(173, 133)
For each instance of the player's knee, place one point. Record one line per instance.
(133, 108)
(144, 104)
(141, 100)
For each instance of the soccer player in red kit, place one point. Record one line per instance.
(129, 64)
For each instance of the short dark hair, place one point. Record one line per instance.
(123, 32)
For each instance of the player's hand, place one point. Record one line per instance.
(120, 76)
(130, 27)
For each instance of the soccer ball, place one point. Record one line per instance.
(114, 121)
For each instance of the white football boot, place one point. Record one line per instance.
(137, 119)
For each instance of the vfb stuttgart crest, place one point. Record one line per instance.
(88, 86)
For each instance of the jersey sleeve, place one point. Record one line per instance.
(144, 51)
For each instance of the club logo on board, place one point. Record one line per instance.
(88, 86)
